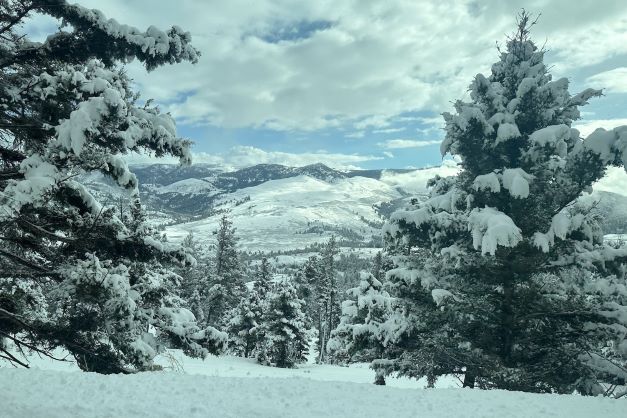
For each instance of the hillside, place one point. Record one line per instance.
(275, 207)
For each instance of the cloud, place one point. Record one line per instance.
(612, 81)
(291, 65)
(246, 156)
(388, 154)
(407, 143)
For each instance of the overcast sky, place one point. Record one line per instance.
(356, 83)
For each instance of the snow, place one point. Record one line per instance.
(555, 136)
(488, 181)
(491, 228)
(40, 178)
(516, 180)
(280, 213)
(506, 131)
(608, 145)
(190, 186)
(30, 393)
(415, 182)
(440, 296)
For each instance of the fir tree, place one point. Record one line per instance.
(327, 306)
(74, 273)
(263, 283)
(358, 337)
(284, 327)
(227, 285)
(505, 276)
(244, 325)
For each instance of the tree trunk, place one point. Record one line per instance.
(379, 379)
(469, 380)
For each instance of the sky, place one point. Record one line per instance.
(355, 83)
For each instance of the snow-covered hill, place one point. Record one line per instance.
(304, 209)
(275, 207)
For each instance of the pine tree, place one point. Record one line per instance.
(227, 285)
(284, 327)
(504, 275)
(263, 284)
(358, 337)
(73, 273)
(244, 326)
(326, 296)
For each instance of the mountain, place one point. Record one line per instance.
(275, 207)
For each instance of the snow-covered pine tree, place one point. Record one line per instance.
(326, 296)
(506, 277)
(227, 284)
(263, 283)
(196, 279)
(244, 324)
(284, 327)
(73, 274)
(380, 265)
(358, 337)
(246, 335)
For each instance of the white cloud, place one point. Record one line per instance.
(357, 134)
(245, 156)
(242, 156)
(612, 81)
(371, 62)
(407, 143)
(388, 154)
(388, 130)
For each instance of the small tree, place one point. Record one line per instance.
(284, 327)
(358, 336)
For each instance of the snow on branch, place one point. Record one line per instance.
(491, 228)
(153, 46)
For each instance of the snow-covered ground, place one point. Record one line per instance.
(234, 387)
(40, 393)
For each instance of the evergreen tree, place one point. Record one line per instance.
(227, 285)
(263, 284)
(327, 314)
(504, 275)
(358, 336)
(284, 327)
(74, 273)
(244, 325)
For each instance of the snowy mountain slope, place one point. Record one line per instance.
(297, 211)
(30, 393)
(276, 207)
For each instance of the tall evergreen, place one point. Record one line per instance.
(504, 276)
(326, 293)
(263, 283)
(285, 327)
(73, 272)
(227, 283)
